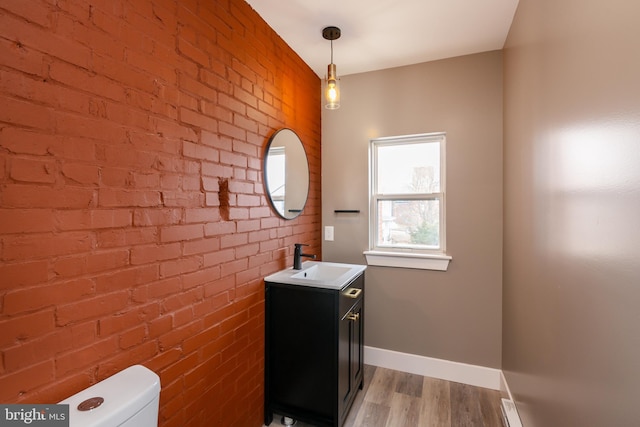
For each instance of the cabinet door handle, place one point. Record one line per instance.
(353, 293)
(353, 316)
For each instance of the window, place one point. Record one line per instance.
(407, 221)
(276, 176)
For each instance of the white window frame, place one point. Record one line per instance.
(406, 256)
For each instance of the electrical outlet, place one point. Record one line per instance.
(328, 233)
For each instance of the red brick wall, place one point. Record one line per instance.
(119, 120)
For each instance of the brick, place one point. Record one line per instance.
(199, 120)
(216, 170)
(26, 220)
(35, 298)
(145, 141)
(107, 260)
(145, 62)
(115, 177)
(160, 326)
(178, 335)
(26, 114)
(236, 186)
(17, 56)
(249, 225)
(193, 53)
(46, 245)
(259, 260)
(64, 387)
(121, 321)
(153, 253)
(108, 197)
(157, 290)
(80, 78)
(99, 41)
(93, 219)
(155, 22)
(200, 246)
(153, 217)
(133, 337)
(234, 267)
(25, 141)
(191, 183)
(219, 228)
(182, 199)
(181, 266)
(238, 214)
(247, 250)
(23, 328)
(200, 152)
(102, 100)
(73, 148)
(200, 277)
(88, 127)
(81, 173)
(245, 148)
(124, 279)
(33, 170)
(211, 184)
(21, 273)
(232, 131)
(138, 161)
(232, 104)
(181, 232)
(233, 240)
(170, 181)
(202, 338)
(248, 200)
(80, 358)
(47, 346)
(259, 212)
(162, 360)
(196, 88)
(218, 257)
(91, 308)
(127, 237)
(172, 129)
(45, 41)
(28, 196)
(122, 359)
(240, 173)
(21, 382)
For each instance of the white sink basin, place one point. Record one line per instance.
(330, 275)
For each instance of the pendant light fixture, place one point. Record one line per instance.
(331, 90)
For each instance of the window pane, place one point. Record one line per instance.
(408, 168)
(409, 223)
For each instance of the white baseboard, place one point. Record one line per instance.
(475, 375)
(504, 387)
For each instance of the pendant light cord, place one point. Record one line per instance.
(332, 51)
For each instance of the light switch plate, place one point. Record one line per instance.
(328, 233)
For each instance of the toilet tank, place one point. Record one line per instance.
(130, 399)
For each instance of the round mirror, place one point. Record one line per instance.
(286, 173)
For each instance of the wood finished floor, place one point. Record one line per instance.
(398, 399)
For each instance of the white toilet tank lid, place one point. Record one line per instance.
(124, 394)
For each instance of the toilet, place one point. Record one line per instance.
(129, 398)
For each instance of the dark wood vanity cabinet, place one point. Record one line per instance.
(313, 351)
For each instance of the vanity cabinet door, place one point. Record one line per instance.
(350, 348)
(313, 351)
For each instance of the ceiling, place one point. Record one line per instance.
(379, 34)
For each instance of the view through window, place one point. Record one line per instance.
(407, 193)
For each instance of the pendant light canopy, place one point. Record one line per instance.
(331, 90)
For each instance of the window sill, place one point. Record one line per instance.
(408, 260)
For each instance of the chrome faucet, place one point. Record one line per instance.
(297, 256)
